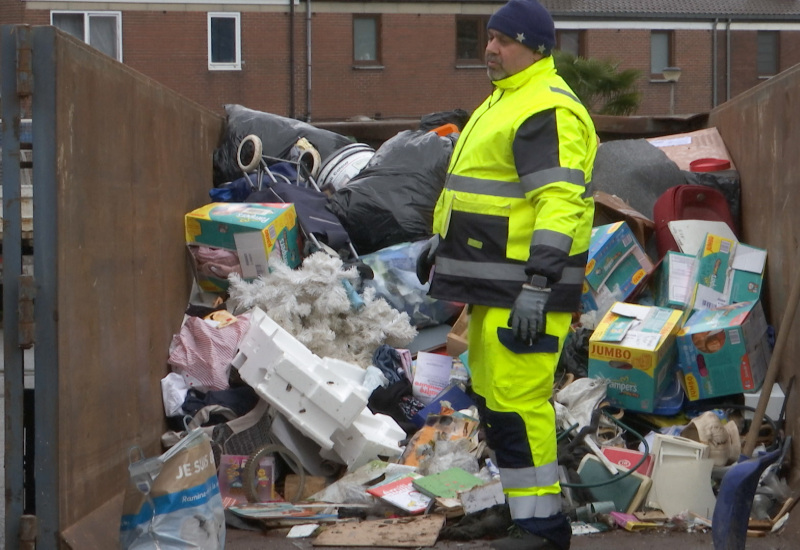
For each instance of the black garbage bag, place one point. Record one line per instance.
(391, 200)
(574, 357)
(277, 133)
(431, 121)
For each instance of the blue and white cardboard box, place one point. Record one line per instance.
(617, 267)
(724, 351)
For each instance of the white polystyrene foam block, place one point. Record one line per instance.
(317, 396)
(370, 436)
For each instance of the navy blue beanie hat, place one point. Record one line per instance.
(528, 22)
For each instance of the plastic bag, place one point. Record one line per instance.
(172, 501)
(278, 135)
(391, 200)
(396, 282)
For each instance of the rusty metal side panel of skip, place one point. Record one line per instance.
(118, 160)
(761, 132)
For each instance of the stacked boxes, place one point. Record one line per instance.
(225, 238)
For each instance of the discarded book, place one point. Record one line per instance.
(402, 494)
(448, 483)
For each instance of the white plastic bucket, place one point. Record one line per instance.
(344, 165)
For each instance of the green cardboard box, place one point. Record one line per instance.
(240, 237)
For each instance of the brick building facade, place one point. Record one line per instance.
(416, 70)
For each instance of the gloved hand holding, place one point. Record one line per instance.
(426, 259)
(527, 314)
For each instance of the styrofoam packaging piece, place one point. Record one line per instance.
(370, 436)
(345, 369)
(312, 393)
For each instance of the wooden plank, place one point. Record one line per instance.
(410, 532)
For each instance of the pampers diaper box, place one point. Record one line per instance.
(633, 347)
(617, 267)
(727, 272)
(724, 351)
(225, 238)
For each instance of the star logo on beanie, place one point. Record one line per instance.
(541, 49)
(520, 37)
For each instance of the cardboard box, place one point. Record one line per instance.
(748, 273)
(673, 280)
(232, 482)
(682, 149)
(710, 288)
(457, 337)
(633, 347)
(617, 267)
(249, 231)
(727, 272)
(724, 351)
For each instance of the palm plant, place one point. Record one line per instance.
(599, 84)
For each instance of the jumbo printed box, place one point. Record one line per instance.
(242, 237)
(633, 347)
(724, 351)
(617, 267)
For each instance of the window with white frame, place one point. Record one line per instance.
(224, 41)
(100, 29)
(767, 53)
(660, 52)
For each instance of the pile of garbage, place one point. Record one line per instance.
(329, 391)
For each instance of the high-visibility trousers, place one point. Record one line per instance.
(514, 391)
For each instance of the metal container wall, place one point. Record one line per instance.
(118, 160)
(761, 132)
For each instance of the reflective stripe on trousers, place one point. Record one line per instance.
(518, 416)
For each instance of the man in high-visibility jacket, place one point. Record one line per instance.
(511, 238)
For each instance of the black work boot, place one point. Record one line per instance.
(520, 539)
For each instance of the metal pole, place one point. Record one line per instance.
(672, 98)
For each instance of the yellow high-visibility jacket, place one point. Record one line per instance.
(516, 201)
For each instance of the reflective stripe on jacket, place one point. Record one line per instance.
(517, 202)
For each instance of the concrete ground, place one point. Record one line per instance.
(611, 540)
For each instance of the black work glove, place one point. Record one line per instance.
(426, 259)
(527, 314)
